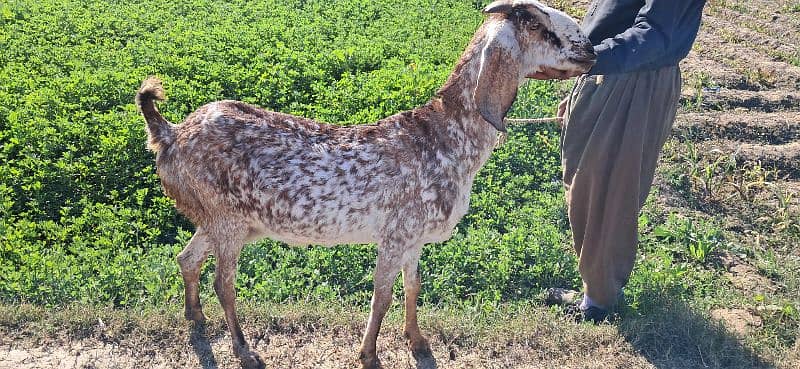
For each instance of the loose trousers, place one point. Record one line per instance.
(614, 129)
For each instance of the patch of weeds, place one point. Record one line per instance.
(716, 5)
(783, 218)
(729, 36)
(757, 76)
(791, 58)
(659, 268)
(781, 319)
(714, 178)
(694, 239)
(674, 259)
(739, 8)
(791, 8)
(706, 171)
(672, 171)
(698, 81)
(750, 180)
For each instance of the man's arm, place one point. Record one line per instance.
(658, 25)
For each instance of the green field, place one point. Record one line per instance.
(83, 215)
(83, 218)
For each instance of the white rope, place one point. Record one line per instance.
(537, 120)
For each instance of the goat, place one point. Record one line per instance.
(240, 173)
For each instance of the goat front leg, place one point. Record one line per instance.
(386, 270)
(225, 276)
(191, 261)
(419, 346)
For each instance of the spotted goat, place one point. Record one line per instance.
(241, 173)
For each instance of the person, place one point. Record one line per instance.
(615, 122)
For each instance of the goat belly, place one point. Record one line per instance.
(306, 214)
(444, 214)
(316, 226)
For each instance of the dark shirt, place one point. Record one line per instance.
(637, 35)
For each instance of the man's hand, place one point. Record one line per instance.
(552, 73)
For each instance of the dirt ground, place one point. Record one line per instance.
(307, 336)
(740, 97)
(740, 100)
(740, 87)
(100, 338)
(291, 351)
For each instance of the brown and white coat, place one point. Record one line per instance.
(241, 173)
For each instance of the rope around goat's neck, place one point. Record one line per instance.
(502, 137)
(537, 120)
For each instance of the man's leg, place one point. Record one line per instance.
(614, 130)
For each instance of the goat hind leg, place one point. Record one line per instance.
(419, 346)
(191, 261)
(224, 278)
(386, 270)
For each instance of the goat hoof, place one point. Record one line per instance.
(420, 348)
(373, 365)
(369, 362)
(251, 360)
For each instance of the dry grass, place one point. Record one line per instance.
(327, 336)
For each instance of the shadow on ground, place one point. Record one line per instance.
(670, 335)
(202, 347)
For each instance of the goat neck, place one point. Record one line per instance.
(461, 123)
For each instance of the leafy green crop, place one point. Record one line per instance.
(83, 214)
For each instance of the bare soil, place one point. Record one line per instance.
(739, 321)
(307, 340)
(295, 351)
(740, 105)
(528, 336)
(740, 95)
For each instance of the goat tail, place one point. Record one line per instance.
(160, 132)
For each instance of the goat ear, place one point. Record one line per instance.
(499, 6)
(497, 84)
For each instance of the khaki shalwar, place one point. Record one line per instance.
(609, 155)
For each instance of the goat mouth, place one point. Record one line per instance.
(586, 62)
